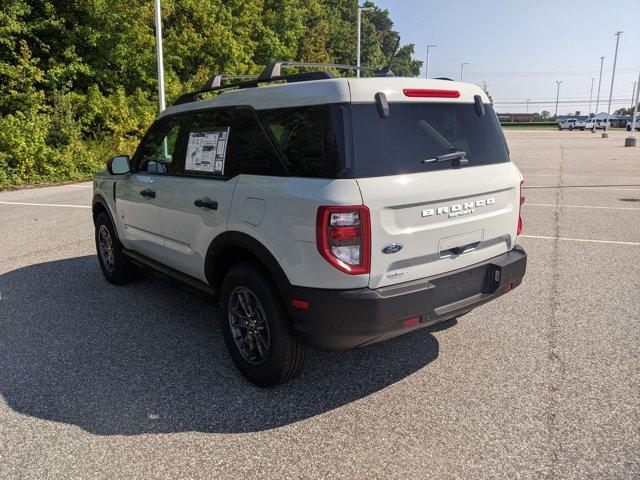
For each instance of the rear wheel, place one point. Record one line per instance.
(570, 127)
(115, 267)
(559, 127)
(257, 328)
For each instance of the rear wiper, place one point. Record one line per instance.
(460, 155)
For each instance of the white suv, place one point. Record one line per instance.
(335, 212)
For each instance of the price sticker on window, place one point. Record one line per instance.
(207, 151)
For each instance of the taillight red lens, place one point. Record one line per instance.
(419, 92)
(520, 210)
(343, 237)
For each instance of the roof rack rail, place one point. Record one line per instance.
(272, 73)
(215, 83)
(216, 80)
(274, 69)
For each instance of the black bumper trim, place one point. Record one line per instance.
(340, 319)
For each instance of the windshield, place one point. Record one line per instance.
(416, 133)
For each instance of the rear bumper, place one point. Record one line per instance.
(339, 319)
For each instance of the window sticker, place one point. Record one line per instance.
(206, 151)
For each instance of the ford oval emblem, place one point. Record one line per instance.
(392, 248)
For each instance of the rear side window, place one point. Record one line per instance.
(415, 134)
(310, 139)
(226, 142)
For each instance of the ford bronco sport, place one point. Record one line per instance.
(332, 212)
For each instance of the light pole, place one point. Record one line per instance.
(159, 55)
(590, 99)
(633, 95)
(426, 65)
(630, 141)
(527, 111)
(359, 27)
(613, 76)
(598, 97)
(558, 82)
(462, 69)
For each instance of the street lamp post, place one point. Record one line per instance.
(359, 27)
(590, 99)
(462, 69)
(598, 97)
(630, 141)
(613, 76)
(527, 111)
(558, 82)
(158, 18)
(426, 66)
(633, 95)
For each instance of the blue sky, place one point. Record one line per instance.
(520, 48)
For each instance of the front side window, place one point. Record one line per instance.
(414, 135)
(310, 139)
(157, 152)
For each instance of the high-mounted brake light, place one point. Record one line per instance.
(419, 92)
(520, 210)
(343, 237)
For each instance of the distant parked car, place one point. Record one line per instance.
(596, 124)
(637, 124)
(571, 124)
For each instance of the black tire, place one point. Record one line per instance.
(559, 128)
(628, 128)
(570, 127)
(582, 129)
(116, 267)
(267, 320)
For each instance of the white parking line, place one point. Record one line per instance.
(586, 207)
(586, 240)
(44, 204)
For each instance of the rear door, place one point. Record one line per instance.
(431, 215)
(138, 194)
(221, 144)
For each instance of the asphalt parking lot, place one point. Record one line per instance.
(98, 381)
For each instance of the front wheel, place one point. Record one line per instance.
(570, 127)
(257, 328)
(116, 268)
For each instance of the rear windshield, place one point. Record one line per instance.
(414, 134)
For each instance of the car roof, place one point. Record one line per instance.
(331, 91)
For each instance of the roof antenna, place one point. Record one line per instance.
(386, 71)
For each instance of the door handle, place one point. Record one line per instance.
(148, 193)
(206, 203)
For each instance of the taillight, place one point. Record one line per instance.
(520, 210)
(430, 93)
(343, 236)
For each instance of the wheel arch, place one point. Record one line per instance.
(230, 248)
(99, 205)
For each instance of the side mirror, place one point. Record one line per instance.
(119, 165)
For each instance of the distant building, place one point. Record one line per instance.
(516, 117)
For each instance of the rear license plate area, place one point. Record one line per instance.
(461, 285)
